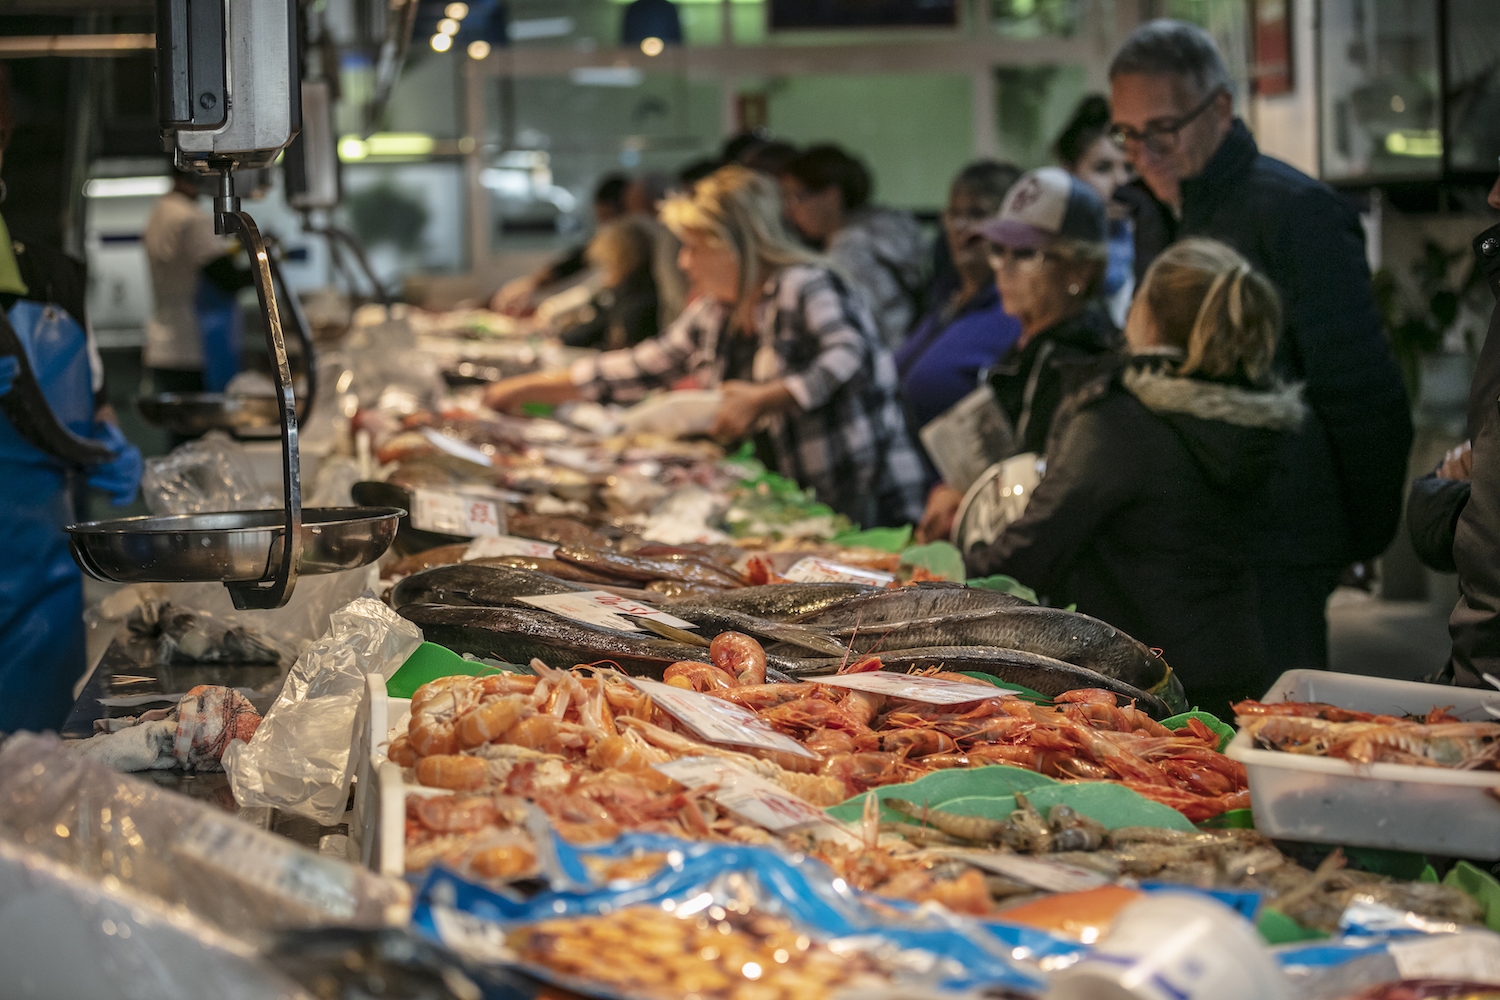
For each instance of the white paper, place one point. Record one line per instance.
(457, 448)
(814, 570)
(270, 863)
(1471, 958)
(747, 795)
(600, 607)
(928, 690)
(1052, 876)
(494, 546)
(718, 721)
(454, 513)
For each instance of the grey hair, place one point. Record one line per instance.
(1165, 46)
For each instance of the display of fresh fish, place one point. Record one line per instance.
(443, 555)
(553, 567)
(1063, 635)
(903, 604)
(675, 589)
(468, 583)
(557, 530)
(711, 621)
(516, 635)
(645, 569)
(779, 601)
(1043, 674)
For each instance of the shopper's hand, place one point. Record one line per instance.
(1458, 463)
(121, 476)
(514, 297)
(509, 394)
(745, 403)
(937, 519)
(10, 367)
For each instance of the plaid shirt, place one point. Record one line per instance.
(847, 438)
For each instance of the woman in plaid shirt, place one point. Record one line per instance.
(783, 338)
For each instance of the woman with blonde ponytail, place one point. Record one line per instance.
(1140, 519)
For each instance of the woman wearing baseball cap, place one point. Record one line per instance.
(1047, 248)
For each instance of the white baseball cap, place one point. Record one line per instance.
(1044, 204)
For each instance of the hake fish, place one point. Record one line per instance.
(776, 601)
(470, 584)
(1063, 635)
(712, 620)
(645, 569)
(902, 604)
(516, 635)
(1043, 674)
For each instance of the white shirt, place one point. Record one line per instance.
(179, 241)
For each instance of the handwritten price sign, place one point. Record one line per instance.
(456, 513)
(601, 608)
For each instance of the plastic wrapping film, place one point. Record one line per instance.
(928, 950)
(210, 475)
(125, 832)
(389, 370)
(301, 759)
(288, 629)
(66, 934)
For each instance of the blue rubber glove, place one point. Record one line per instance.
(10, 367)
(121, 476)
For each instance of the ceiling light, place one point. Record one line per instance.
(652, 46)
(479, 49)
(442, 43)
(448, 26)
(457, 11)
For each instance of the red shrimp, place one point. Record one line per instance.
(452, 771)
(694, 676)
(740, 656)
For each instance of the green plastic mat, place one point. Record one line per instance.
(1277, 928)
(941, 559)
(1482, 886)
(429, 662)
(990, 792)
(1225, 732)
(1020, 689)
(1006, 585)
(1233, 819)
(885, 539)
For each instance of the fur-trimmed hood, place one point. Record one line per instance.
(1232, 431)
(1279, 408)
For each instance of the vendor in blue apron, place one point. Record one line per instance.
(51, 401)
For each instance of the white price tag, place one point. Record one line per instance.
(600, 607)
(270, 863)
(718, 721)
(1052, 876)
(457, 448)
(747, 795)
(815, 570)
(1472, 958)
(456, 513)
(470, 936)
(928, 690)
(493, 546)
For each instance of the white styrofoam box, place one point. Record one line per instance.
(378, 825)
(1432, 810)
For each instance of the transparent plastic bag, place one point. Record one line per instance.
(187, 637)
(126, 832)
(210, 475)
(301, 759)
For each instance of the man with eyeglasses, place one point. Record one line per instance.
(1336, 496)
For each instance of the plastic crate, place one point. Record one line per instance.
(1430, 810)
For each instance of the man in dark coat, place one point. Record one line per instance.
(1335, 494)
(1475, 623)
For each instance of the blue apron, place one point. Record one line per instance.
(41, 589)
(220, 324)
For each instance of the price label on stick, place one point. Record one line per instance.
(815, 570)
(747, 795)
(718, 721)
(491, 547)
(909, 687)
(453, 513)
(600, 607)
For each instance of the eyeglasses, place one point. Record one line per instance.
(1160, 135)
(999, 255)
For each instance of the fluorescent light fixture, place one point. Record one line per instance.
(607, 76)
(1426, 143)
(539, 27)
(457, 11)
(479, 49)
(127, 187)
(385, 145)
(441, 43)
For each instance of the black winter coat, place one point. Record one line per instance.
(1139, 518)
(1475, 623)
(1334, 496)
(1031, 380)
